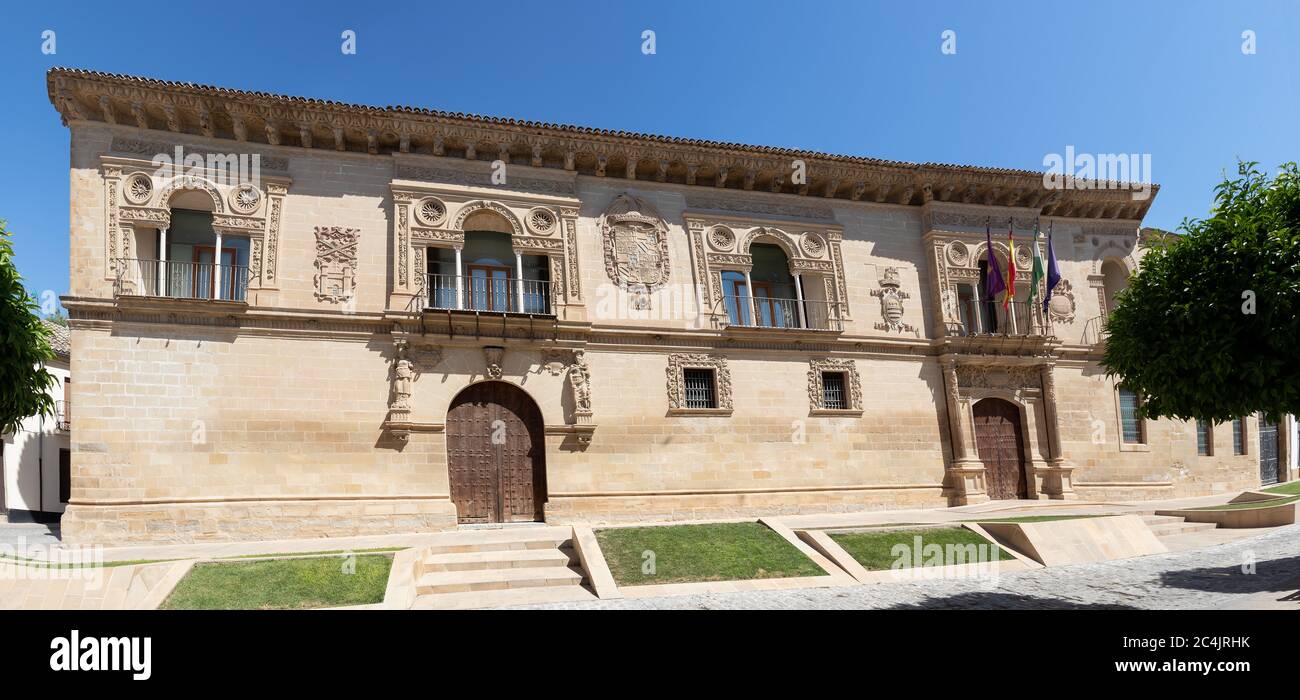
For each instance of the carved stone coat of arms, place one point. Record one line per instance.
(635, 239)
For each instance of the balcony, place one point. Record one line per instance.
(981, 318)
(764, 312)
(181, 280)
(505, 295)
(1095, 331)
(62, 415)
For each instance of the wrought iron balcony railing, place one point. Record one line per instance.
(477, 293)
(766, 312)
(976, 317)
(62, 415)
(1095, 331)
(181, 280)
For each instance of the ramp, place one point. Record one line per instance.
(1078, 541)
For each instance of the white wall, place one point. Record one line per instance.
(35, 448)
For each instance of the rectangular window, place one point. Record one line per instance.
(1238, 436)
(1202, 438)
(833, 390)
(65, 476)
(1132, 426)
(699, 388)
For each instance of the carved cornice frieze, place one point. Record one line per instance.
(281, 121)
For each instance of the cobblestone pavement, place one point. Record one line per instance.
(1204, 579)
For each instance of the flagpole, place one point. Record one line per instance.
(1009, 298)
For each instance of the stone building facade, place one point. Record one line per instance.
(408, 319)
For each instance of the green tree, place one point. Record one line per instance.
(1208, 326)
(24, 347)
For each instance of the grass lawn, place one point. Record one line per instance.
(874, 550)
(1290, 487)
(1251, 505)
(283, 584)
(1032, 518)
(715, 552)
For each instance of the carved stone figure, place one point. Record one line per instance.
(336, 263)
(403, 374)
(580, 380)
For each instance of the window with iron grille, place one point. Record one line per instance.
(1132, 426)
(699, 388)
(833, 396)
(1202, 438)
(1238, 436)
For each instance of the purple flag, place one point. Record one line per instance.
(995, 283)
(1053, 271)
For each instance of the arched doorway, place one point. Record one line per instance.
(496, 455)
(998, 437)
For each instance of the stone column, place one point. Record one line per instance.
(1058, 480)
(798, 298)
(161, 290)
(216, 269)
(967, 471)
(460, 282)
(519, 279)
(749, 302)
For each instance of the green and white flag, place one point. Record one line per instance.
(1037, 273)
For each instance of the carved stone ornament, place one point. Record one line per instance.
(816, 389)
(998, 377)
(580, 380)
(138, 189)
(336, 263)
(494, 355)
(1062, 306)
(430, 211)
(677, 379)
(891, 303)
(245, 199)
(722, 238)
(403, 376)
(635, 239)
(813, 245)
(542, 221)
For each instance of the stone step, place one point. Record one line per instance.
(504, 540)
(498, 559)
(499, 598)
(1178, 528)
(497, 579)
(1161, 519)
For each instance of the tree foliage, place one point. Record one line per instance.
(24, 347)
(1208, 326)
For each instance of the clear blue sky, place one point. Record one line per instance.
(863, 77)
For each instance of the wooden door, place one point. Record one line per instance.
(998, 439)
(1268, 452)
(204, 270)
(496, 455)
(491, 288)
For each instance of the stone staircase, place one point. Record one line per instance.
(1166, 526)
(510, 566)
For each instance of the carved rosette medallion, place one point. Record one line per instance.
(245, 199)
(722, 238)
(813, 245)
(635, 239)
(336, 263)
